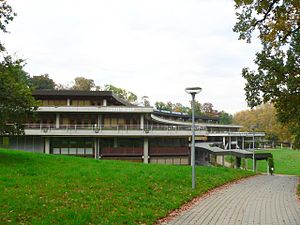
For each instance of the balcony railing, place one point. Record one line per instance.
(107, 127)
(128, 127)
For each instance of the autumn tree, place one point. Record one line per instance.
(83, 84)
(263, 118)
(42, 82)
(277, 78)
(122, 93)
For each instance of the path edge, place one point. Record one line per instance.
(190, 204)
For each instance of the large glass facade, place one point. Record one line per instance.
(72, 146)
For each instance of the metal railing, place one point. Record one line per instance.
(95, 127)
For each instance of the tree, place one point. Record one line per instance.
(6, 15)
(16, 101)
(122, 93)
(83, 84)
(225, 118)
(42, 82)
(161, 106)
(145, 101)
(277, 79)
(275, 20)
(263, 118)
(207, 108)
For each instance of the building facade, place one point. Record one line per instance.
(99, 124)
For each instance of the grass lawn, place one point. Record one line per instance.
(286, 161)
(49, 189)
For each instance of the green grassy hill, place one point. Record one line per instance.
(48, 189)
(286, 161)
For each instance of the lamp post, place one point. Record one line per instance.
(253, 153)
(193, 91)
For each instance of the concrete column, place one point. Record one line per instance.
(142, 122)
(229, 142)
(115, 143)
(104, 102)
(68, 102)
(57, 120)
(224, 142)
(246, 163)
(146, 150)
(243, 142)
(47, 145)
(223, 160)
(96, 147)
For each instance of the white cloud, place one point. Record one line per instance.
(154, 48)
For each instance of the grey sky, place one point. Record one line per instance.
(154, 48)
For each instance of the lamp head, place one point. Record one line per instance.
(193, 90)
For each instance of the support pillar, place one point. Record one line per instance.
(57, 118)
(68, 102)
(223, 160)
(146, 150)
(104, 102)
(237, 162)
(246, 163)
(47, 145)
(96, 147)
(224, 142)
(115, 142)
(142, 122)
(229, 143)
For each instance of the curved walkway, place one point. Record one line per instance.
(257, 200)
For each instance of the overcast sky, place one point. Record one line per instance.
(150, 47)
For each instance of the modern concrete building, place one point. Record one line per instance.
(99, 124)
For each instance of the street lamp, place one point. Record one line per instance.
(193, 91)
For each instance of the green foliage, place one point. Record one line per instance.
(169, 106)
(49, 189)
(271, 165)
(225, 118)
(6, 15)
(277, 78)
(286, 162)
(122, 93)
(16, 101)
(42, 82)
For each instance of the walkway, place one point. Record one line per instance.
(257, 200)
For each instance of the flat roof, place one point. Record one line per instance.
(77, 93)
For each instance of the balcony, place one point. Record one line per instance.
(109, 130)
(127, 130)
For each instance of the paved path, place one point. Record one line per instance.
(258, 200)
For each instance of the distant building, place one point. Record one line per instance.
(101, 125)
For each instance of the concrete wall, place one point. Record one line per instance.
(27, 143)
